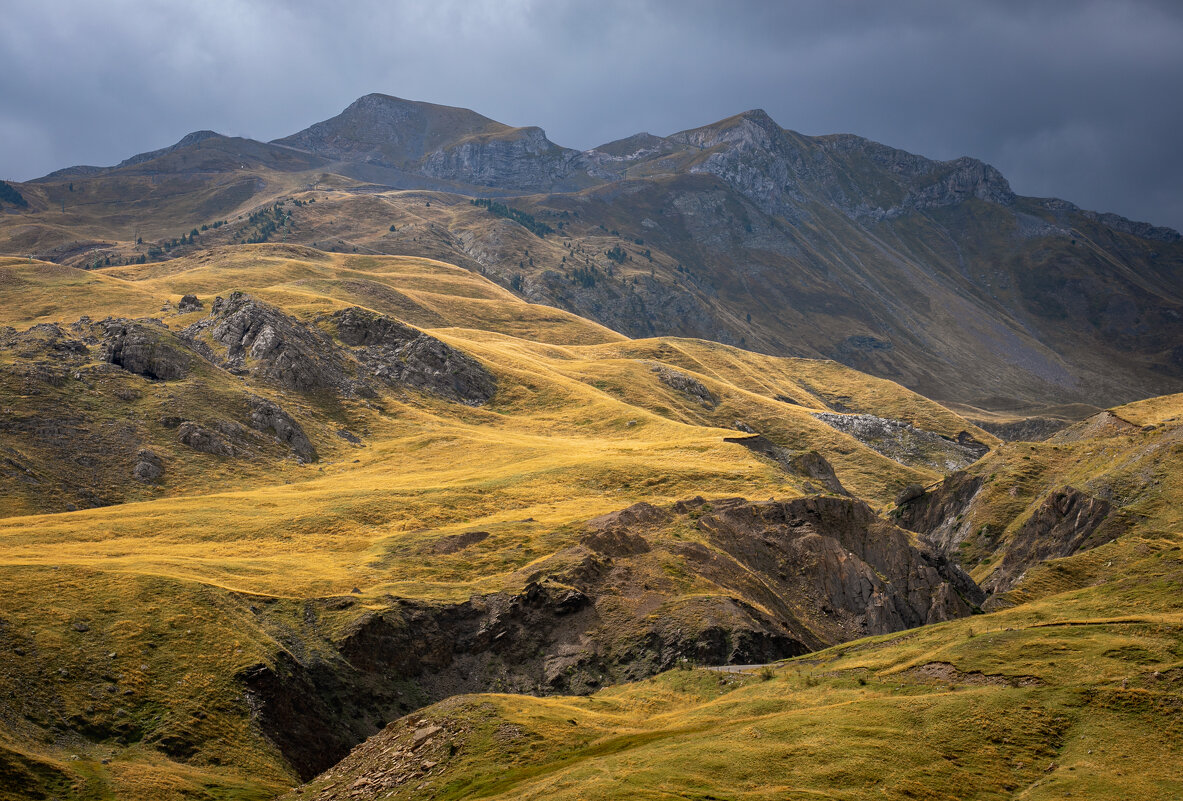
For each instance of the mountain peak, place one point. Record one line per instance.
(390, 130)
(758, 116)
(185, 141)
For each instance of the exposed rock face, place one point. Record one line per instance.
(523, 159)
(864, 571)
(148, 468)
(200, 438)
(1067, 522)
(809, 464)
(905, 443)
(146, 350)
(940, 514)
(267, 415)
(794, 576)
(269, 344)
(687, 385)
(398, 354)
(261, 340)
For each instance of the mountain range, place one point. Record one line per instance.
(931, 273)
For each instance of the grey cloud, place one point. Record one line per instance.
(1071, 99)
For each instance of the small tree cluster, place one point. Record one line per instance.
(527, 221)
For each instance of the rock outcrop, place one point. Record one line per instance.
(940, 513)
(267, 415)
(791, 576)
(687, 385)
(200, 438)
(808, 464)
(250, 336)
(397, 354)
(1068, 521)
(864, 571)
(906, 444)
(149, 468)
(145, 349)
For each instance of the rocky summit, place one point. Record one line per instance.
(415, 456)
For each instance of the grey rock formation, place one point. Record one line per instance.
(267, 415)
(905, 443)
(202, 439)
(809, 464)
(149, 467)
(147, 350)
(190, 303)
(687, 385)
(865, 570)
(398, 354)
(1066, 522)
(942, 513)
(521, 159)
(263, 341)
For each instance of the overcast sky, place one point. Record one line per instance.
(1079, 100)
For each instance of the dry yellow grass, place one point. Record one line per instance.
(581, 425)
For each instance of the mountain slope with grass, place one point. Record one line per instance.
(278, 497)
(932, 274)
(1069, 688)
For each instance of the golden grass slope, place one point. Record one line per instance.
(136, 617)
(576, 430)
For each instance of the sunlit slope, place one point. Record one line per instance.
(555, 378)
(1117, 473)
(1066, 697)
(422, 292)
(171, 591)
(574, 431)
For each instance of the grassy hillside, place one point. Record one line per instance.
(1071, 689)
(134, 624)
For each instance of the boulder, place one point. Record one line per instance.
(148, 467)
(190, 303)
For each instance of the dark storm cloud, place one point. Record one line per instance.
(1073, 99)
